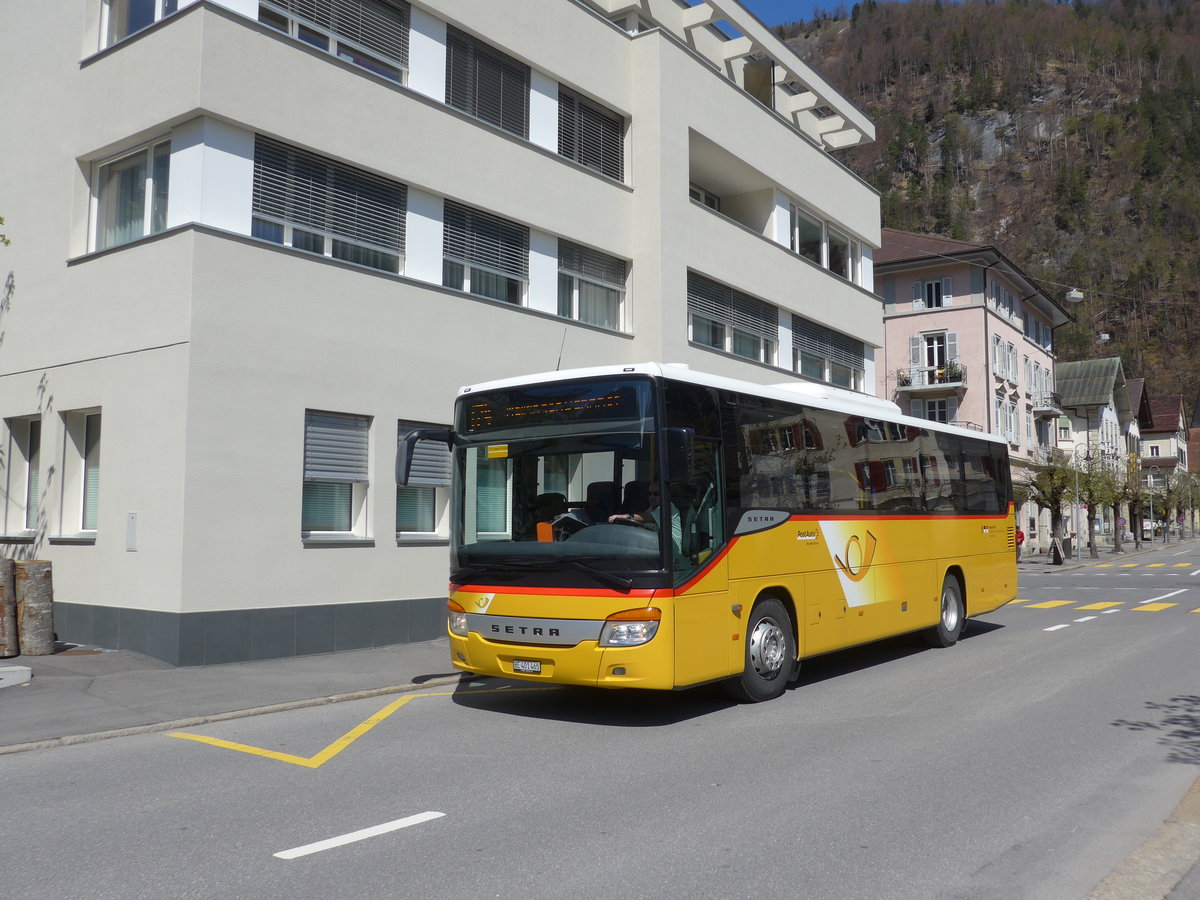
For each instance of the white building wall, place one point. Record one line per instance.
(201, 348)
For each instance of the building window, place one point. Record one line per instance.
(81, 471)
(932, 294)
(823, 354)
(335, 473)
(1154, 450)
(24, 496)
(91, 472)
(311, 203)
(590, 134)
(122, 18)
(939, 409)
(704, 196)
(417, 503)
(368, 33)
(484, 254)
(840, 258)
(807, 236)
(730, 321)
(487, 84)
(591, 286)
(131, 196)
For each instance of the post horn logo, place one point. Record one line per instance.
(858, 557)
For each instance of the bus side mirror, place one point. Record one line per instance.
(680, 453)
(423, 457)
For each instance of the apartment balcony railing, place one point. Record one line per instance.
(1048, 404)
(928, 378)
(970, 426)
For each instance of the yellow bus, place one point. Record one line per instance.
(650, 526)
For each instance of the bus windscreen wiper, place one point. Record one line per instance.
(617, 582)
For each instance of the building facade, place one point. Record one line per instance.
(969, 339)
(252, 240)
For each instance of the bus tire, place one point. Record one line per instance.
(952, 615)
(770, 653)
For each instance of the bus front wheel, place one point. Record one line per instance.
(770, 653)
(951, 616)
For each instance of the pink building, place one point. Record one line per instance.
(969, 338)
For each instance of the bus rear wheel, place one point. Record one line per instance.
(770, 653)
(951, 616)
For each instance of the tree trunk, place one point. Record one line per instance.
(8, 612)
(35, 607)
(1091, 527)
(1116, 529)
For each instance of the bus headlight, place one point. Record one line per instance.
(630, 627)
(457, 618)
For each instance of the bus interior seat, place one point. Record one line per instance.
(637, 497)
(603, 498)
(547, 506)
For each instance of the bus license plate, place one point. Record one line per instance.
(527, 666)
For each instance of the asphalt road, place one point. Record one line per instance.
(1026, 762)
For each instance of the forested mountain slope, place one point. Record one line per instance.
(1066, 134)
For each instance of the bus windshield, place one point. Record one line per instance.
(545, 472)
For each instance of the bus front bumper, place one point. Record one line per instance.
(587, 664)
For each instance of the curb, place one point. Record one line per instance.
(192, 721)
(1160, 864)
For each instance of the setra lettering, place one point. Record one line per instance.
(528, 630)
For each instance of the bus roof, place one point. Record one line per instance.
(805, 393)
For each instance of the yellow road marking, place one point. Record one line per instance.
(1182, 565)
(1019, 600)
(323, 756)
(1153, 607)
(1108, 605)
(1155, 565)
(1102, 566)
(1050, 604)
(1130, 565)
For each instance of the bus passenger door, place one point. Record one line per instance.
(704, 619)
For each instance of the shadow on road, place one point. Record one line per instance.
(632, 708)
(1178, 726)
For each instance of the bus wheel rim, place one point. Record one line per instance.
(949, 610)
(767, 648)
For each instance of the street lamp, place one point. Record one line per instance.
(1087, 457)
(1153, 469)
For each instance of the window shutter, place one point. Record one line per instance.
(335, 447)
(723, 304)
(487, 84)
(918, 293)
(590, 134)
(593, 264)
(318, 194)
(915, 343)
(951, 409)
(813, 338)
(480, 239)
(947, 292)
(916, 409)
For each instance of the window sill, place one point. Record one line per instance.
(336, 540)
(80, 539)
(422, 539)
(23, 537)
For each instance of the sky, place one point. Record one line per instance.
(777, 12)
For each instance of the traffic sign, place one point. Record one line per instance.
(1121, 521)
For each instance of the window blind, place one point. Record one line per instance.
(91, 472)
(487, 84)
(810, 337)
(481, 239)
(593, 264)
(590, 134)
(335, 447)
(721, 303)
(315, 193)
(372, 24)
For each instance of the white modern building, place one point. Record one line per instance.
(250, 240)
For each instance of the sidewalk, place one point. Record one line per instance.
(88, 693)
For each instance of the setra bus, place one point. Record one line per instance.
(650, 526)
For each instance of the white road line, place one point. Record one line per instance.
(1182, 553)
(1165, 596)
(1109, 612)
(1194, 574)
(1055, 627)
(362, 835)
(1085, 619)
